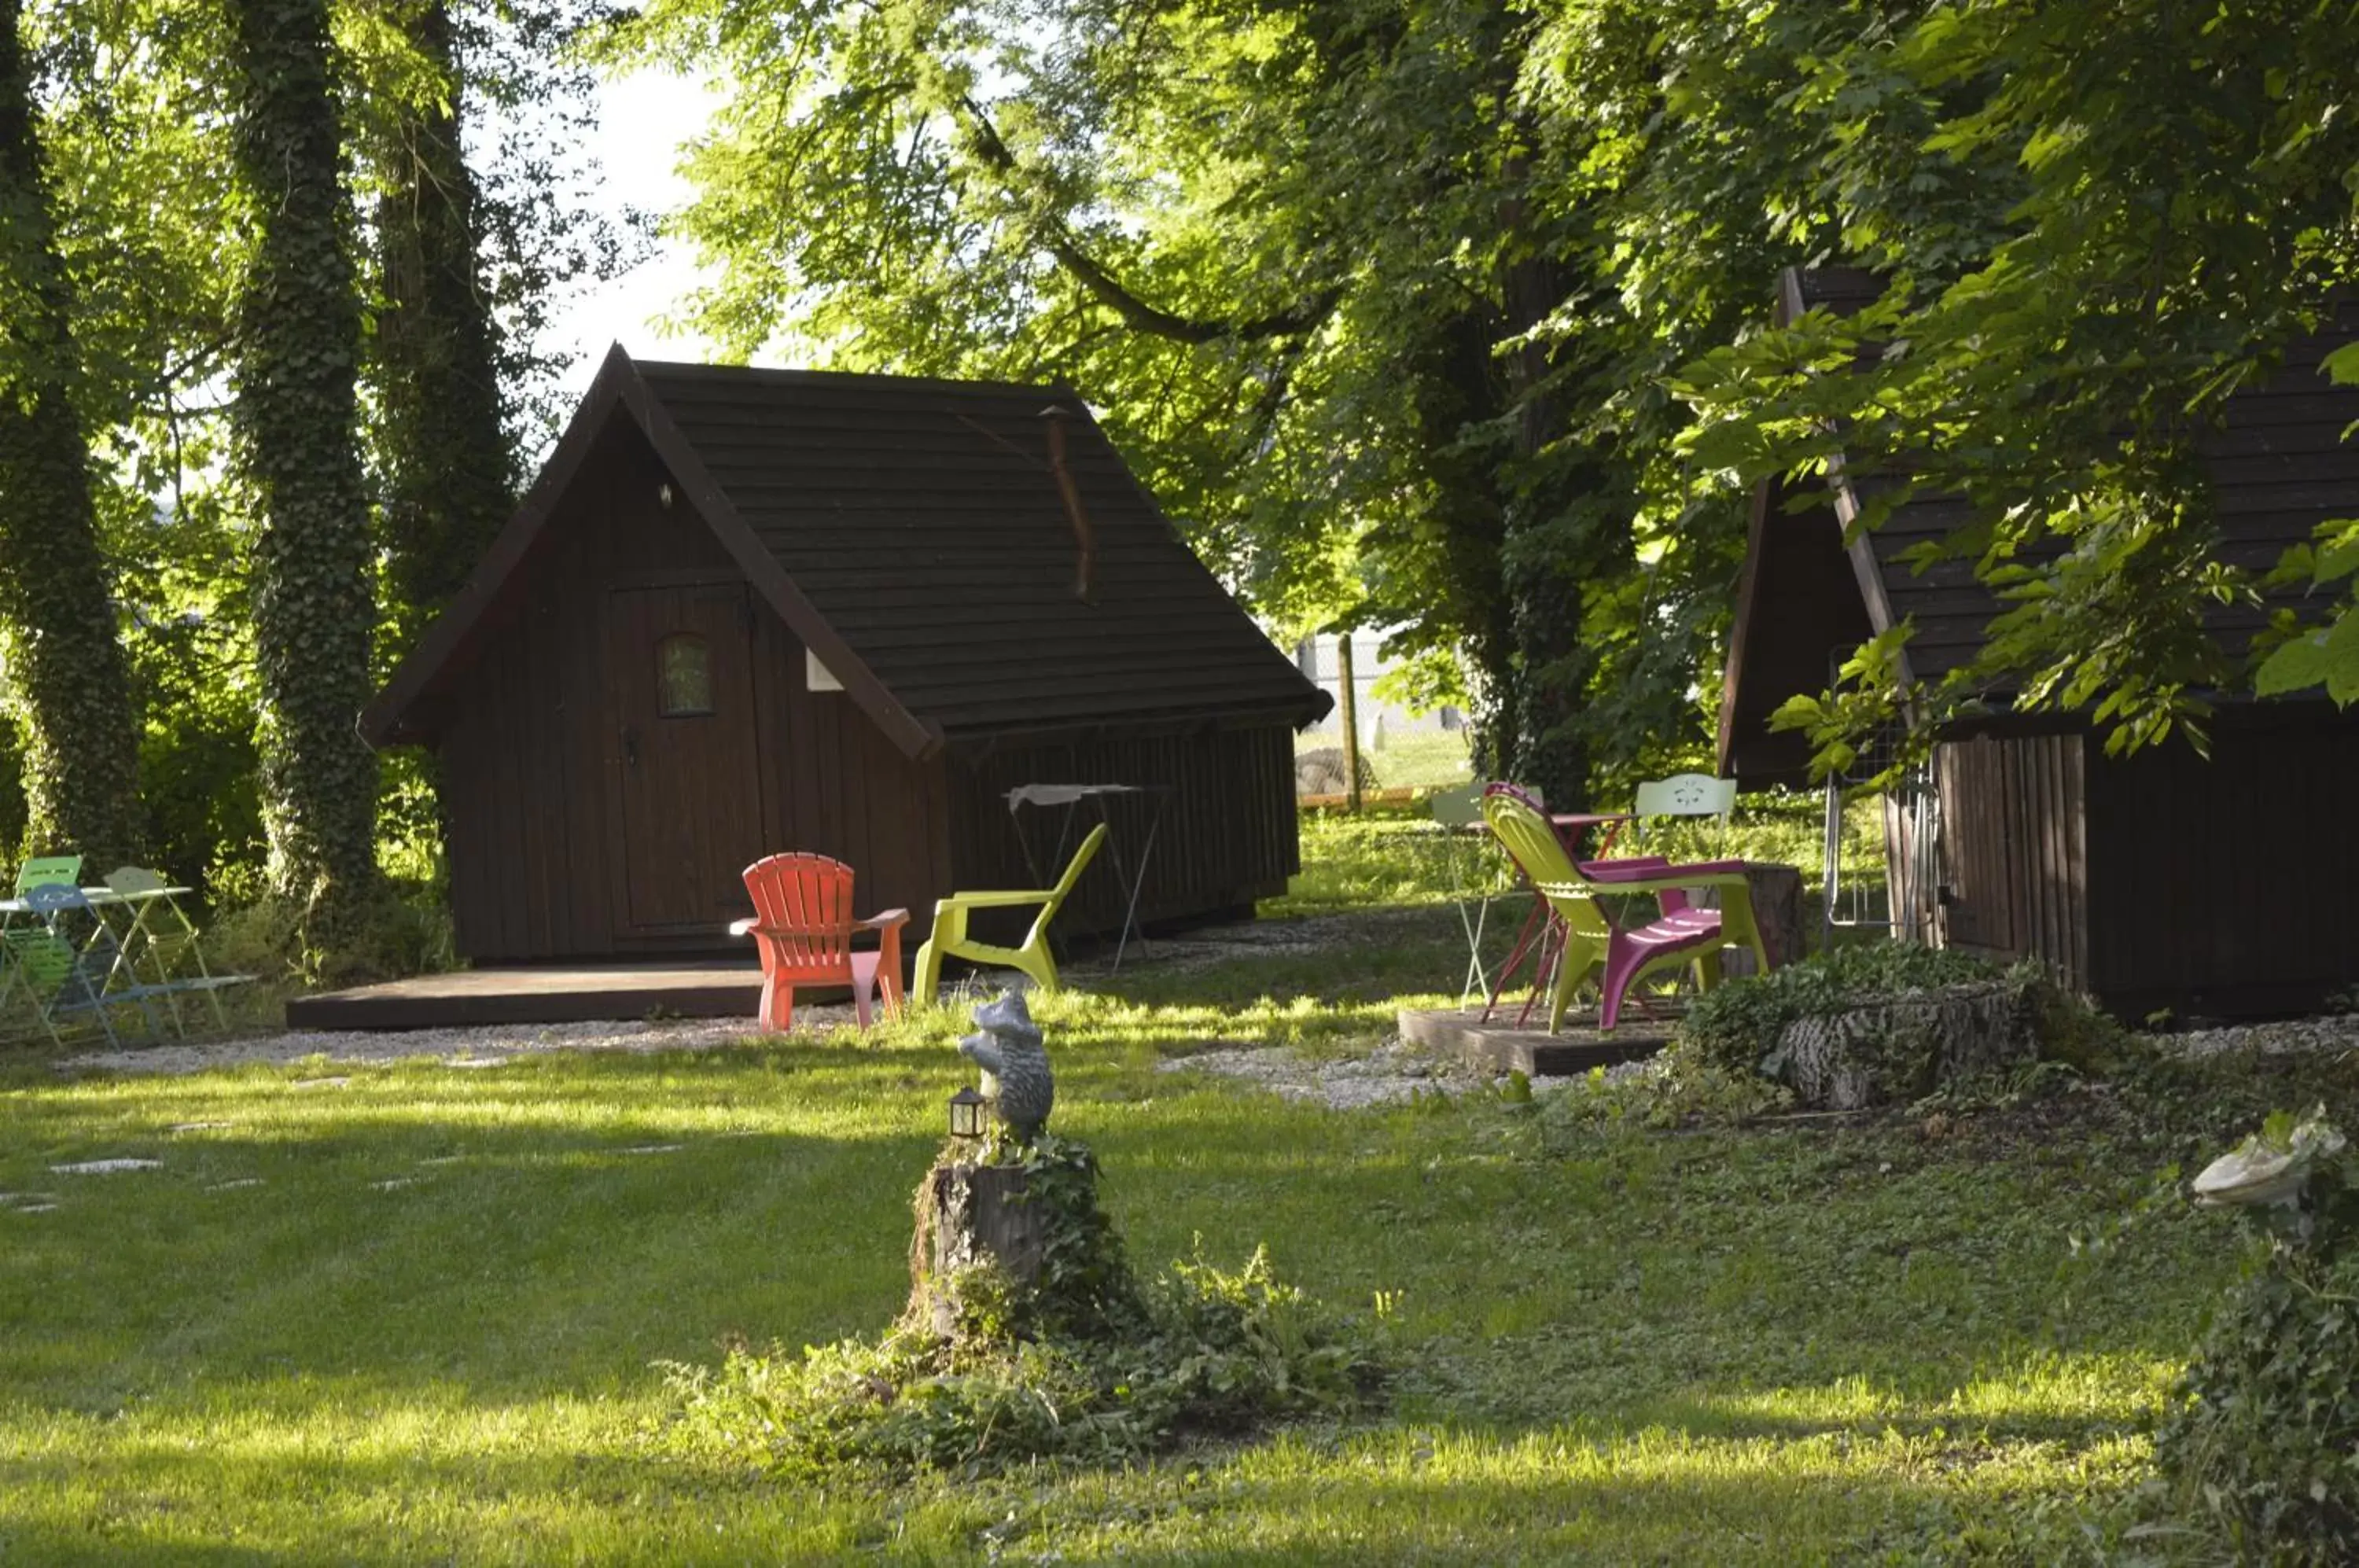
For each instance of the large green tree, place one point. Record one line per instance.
(1391, 297)
(1288, 249)
(64, 666)
(2179, 184)
(297, 332)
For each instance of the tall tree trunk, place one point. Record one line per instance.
(1457, 392)
(59, 640)
(1561, 524)
(441, 443)
(297, 418)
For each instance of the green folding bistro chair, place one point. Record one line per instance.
(160, 945)
(48, 870)
(41, 871)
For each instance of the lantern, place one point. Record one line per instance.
(966, 1114)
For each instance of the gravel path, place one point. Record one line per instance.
(483, 1046)
(488, 1045)
(1394, 1073)
(2337, 1032)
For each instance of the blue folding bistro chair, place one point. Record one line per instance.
(63, 973)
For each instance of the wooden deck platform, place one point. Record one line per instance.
(1501, 1046)
(540, 994)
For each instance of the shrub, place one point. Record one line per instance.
(2264, 1441)
(407, 931)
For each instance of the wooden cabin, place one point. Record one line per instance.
(744, 611)
(2211, 889)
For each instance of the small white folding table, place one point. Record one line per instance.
(1071, 797)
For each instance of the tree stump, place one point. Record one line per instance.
(969, 1215)
(1777, 910)
(1903, 1047)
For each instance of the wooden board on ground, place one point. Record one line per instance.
(1499, 1044)
(541, 994)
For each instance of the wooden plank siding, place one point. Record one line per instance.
(2163, 881)
(2224, 884)
(2014, 860)
(1796, 604)
(530, 770)
(1227, 835)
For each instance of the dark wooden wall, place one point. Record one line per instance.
(2217, 888)
(529, 743)
(2224, 887)
(1227, 836)
(834, 784)
(2015, 857)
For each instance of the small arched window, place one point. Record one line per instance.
(683, 677)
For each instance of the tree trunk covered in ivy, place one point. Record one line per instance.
(440, 440)
(297, 418)
(1457, 394)
(1563, 523)
(64, 657)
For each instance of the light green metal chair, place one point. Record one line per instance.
(48, 870)
(1684, 795)
(1458, 817)
(948, 938)
(63, 973)
(15, 979)
(160, 944)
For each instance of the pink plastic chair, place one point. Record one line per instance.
(1587, 941)
(802, 926)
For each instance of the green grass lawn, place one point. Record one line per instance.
(412, 1313)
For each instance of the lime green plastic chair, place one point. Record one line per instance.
(949, 939)
(1620, 956)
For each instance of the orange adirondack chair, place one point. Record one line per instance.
(803, 927)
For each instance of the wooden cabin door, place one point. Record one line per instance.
(680, 677)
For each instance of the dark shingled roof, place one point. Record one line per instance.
(2279, 467)
(915, 534)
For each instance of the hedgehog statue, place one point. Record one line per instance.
(1015, 1065)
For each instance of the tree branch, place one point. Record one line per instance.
(1135, 312)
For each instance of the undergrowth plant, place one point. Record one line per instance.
(2264, 1444)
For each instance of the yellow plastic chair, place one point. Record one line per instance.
(1620, 956)
(950, 940)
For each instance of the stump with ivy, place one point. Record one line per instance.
(1027, 1333)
